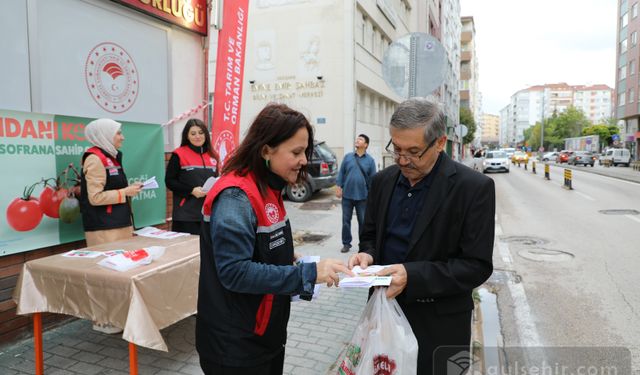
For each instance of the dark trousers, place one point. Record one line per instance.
(347, 213)
(273, 367)
(192, 227)
(442, 338)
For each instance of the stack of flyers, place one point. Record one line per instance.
(366, 278)
(159, 233)
(150, 184)
(82, 254)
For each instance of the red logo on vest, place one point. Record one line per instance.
(383, 365)
(112, 77)
(272, 212)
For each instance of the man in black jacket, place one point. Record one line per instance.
(432, 220)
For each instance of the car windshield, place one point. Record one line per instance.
(324, 151)
(496, 155)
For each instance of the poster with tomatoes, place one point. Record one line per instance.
(40, 163)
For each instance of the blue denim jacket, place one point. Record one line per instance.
(233, 234)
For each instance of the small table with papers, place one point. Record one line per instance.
(141, 301)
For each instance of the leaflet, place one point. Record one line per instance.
(366, 278)
(150, 184)
(162, 234)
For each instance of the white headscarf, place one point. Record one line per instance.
(101, 132)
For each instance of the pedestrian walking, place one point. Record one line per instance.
(353, 182)
(432, 220)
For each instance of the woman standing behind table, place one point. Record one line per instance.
(105, 192)
(104, 203)
(247, 276)
(190, 166)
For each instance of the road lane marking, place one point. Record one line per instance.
(633, 218)
(522, 313)
(526, 328)
(585, 196)
(503, 249)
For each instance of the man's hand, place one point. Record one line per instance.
(327, 271)
(338, 192)
(398, 279)
(360, 259)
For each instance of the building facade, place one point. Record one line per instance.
(627, 108)
(324, 58)
(490, 129)
(529, 106)
(469, 74)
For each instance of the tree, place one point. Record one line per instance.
(466, 118)
(604, 131)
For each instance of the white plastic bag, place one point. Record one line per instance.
(383, 342)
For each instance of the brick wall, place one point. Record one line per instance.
(15, 327)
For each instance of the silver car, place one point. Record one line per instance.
(495, 161)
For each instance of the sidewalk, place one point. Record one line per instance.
(317, 330)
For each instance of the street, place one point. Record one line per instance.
(565, 267)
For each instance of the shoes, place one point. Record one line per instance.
(345, 249)
(106, 328)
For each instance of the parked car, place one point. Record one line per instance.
(582, 158)
(563, 156)
(495, 161)
(549, 156)
(322, 172)
(617, 156)
(520, 157)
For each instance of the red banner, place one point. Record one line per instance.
(229, 74)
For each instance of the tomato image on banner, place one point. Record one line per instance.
(41, 156)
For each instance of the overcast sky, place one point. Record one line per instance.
(521, 43)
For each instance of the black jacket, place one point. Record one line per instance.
(450, 250)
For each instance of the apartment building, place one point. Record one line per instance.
(627, 108)
(490, 129)
(469, 74)
(530, 105)
(324, 58)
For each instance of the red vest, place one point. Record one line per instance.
(237, 329)
(110, 216)
(195, 169)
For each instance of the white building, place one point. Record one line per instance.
(324, 58)
(529, 106)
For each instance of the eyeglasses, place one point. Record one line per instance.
(411, 156)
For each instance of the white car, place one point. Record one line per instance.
(550, 156)
(617, 156)
(495, 161)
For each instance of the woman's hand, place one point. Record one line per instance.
(198, 192)
(327, 271)
(133, 189)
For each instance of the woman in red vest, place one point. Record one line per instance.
(247, 271)
(105, 191)
(190, 166)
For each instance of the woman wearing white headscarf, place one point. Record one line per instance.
(104, 203)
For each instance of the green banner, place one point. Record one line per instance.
(38, 147)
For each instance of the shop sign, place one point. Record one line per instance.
(190, 14)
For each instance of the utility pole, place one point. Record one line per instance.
(542, 123)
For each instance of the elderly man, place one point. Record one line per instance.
(432, 220)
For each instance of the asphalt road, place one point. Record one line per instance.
(567, 274)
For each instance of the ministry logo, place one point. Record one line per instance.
(112, 77)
